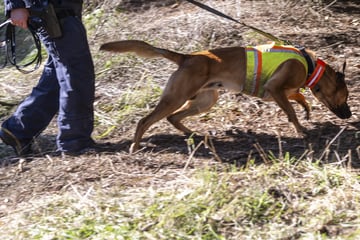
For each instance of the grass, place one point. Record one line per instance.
(133, 101)
(283, 200)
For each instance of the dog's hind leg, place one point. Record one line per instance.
(177, 91)
(202, 102)
(165, 107)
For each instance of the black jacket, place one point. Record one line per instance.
(76, 5)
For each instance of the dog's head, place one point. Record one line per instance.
(331, 90)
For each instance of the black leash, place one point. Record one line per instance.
(216, 12)
(9, 44)
(310, 62)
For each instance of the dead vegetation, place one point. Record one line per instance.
(245, 137)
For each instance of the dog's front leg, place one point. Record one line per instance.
(280, 98)
(299, 98)
(286, 80)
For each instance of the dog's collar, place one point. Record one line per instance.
(315, 70)
(317, 74)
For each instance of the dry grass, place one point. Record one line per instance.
(286, 199)
(165, 193)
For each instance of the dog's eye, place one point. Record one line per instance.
(316, 88)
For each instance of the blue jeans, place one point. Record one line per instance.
(66, 87)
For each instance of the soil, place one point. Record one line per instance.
(238, 129)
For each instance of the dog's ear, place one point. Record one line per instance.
(344, 67)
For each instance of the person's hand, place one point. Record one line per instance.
(19, 17)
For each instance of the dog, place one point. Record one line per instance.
(271, 72)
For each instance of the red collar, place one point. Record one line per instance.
(317, 74)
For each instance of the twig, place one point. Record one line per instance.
(85, 197)
(327, 6)
(21, 165)
(262, 153)
(8, 104)
(306, 152)
(281, 156)
(49, 158)
(191, 156)
(337, 157)
(248, 158)
(208, 139)
(331, 142)
(310, 154)
(332, 45)
(349, 163)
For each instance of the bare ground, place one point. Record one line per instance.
(238, 129)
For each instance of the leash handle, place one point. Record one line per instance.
(216, 12)
(9, 45)
(5, 23)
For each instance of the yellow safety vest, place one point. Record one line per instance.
(262, 61)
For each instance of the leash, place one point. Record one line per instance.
(315, 69)
(9, 45)
(216, 12)
(5, 23)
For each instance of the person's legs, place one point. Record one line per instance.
(66, 86)
(34, 113)
(75, 73)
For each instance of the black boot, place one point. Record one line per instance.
(20, 148)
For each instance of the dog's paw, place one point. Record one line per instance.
(304, 133)
(300, 131)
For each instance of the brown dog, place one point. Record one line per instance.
(270, 72)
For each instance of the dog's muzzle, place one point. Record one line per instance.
(342, 111)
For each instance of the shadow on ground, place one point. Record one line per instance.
(326, 141)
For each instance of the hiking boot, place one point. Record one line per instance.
(20, 148)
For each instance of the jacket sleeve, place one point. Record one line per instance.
(13, 4)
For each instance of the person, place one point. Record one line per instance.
(66, 86)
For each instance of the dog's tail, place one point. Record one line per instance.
(142, 49)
